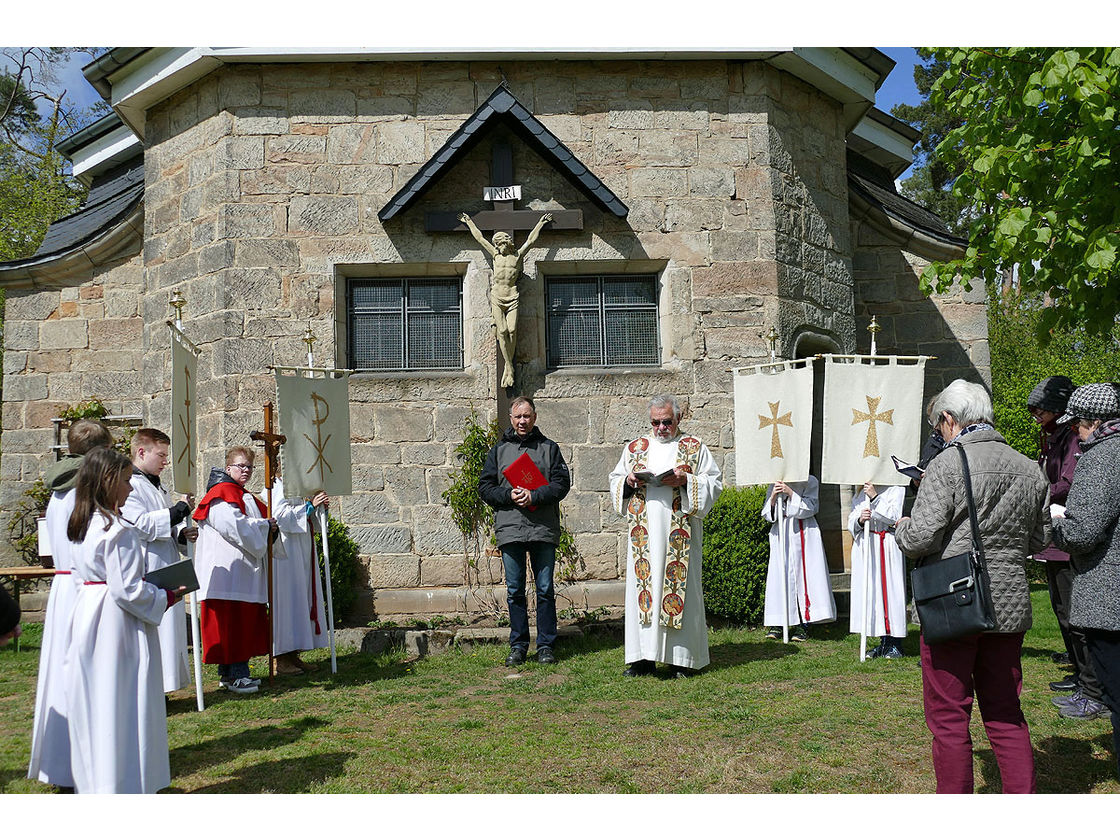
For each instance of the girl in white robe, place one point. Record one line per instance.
(299, 614)
(888, 569)
(686, 647)
(810, 590)
(114, 685)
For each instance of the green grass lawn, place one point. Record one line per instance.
(763, 718)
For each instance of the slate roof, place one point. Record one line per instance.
(112, 196)
(875, 185)
(502, 107)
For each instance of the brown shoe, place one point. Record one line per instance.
(286, 667)
(305, 666)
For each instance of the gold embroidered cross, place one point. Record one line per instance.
(871, 417)
(774, 421)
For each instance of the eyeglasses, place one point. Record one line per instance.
(661, 422)
(246, 467)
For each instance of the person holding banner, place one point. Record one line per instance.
(50, 737)
(664, 484)
(160, 527)
(233, 536)
(524, 479)
(888, 568)
(299, 617)
(810, 590)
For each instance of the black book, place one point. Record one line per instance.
(174, 576)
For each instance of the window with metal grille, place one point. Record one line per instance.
(405, 323)
(602, 321)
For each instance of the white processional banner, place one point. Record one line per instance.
(184, 411)
(315, 420)
(773, 422)
(871, 411)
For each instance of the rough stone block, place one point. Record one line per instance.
(404, 424)
(239, 89)
(352, 144)
(424, 454)
(668, 148)
(592, 465)
(117, 333)
(239, 153)
(658, 182)
(406, 486)
(369, 508)
(259, 120)
(275, 179)
(448, 570)
(446, 601)
(68, 333)
(21, 335)
(242, 221)
(30, 305)
(266, 253)
(25, 386)
(399, 143)
(693, 215)
(394, 571)
(317, 214)
(321, 106)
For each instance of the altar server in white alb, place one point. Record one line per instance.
(665, 483)
(882, 508)
(159, 524)
(299, 615)
(810, 591)
(114, 683)
(50, 735)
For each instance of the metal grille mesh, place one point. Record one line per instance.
(602, 321)
(406, 324)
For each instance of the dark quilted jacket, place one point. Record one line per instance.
(1012, 505)
(1089, 533)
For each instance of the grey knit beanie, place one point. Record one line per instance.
(1051, 394)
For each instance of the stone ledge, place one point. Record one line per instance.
(420, 643)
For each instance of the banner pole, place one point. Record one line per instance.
(864, 630)
(783, 549)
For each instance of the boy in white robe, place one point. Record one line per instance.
(50, 734)
(299, 618)
(882, 508)
(158, 523)
(114, 687)
(810, 590)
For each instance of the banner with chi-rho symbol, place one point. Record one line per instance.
(315, 420)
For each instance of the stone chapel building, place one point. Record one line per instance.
(700, 200)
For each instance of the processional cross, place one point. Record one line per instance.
(271, 441)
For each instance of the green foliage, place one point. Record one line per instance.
(91, 409)
(1038, 157)
(736, 552)
(472, 516)
(344, 566)
(1020, 361)
(23, 530)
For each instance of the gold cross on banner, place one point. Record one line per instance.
(871, 417)
(774, 421)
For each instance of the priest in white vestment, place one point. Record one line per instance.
(50, 734)
(882, 508)
(665, 483)
(810, 590)
(159, 525)
(114, 683)
(299, 620)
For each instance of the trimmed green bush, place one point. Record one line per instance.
(736, 551)
(344, 566)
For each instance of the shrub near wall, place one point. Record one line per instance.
(736, 550)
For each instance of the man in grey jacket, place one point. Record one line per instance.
(527, 523)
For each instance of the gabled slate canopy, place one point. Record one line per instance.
(503, 108)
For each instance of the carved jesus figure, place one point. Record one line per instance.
(503, 291)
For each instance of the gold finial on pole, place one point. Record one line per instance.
(873, 328)
(773, 337)
(309, 337)
(177, 303)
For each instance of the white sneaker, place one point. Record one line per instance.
(244, 685)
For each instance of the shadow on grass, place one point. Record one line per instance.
(190, 758)
(288, 775)
(730, 654)
(1062, 765)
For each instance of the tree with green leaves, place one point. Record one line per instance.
(35, 114)
(1037, 155)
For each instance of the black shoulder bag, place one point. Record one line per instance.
(953, 595)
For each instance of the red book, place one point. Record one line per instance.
(524, 473)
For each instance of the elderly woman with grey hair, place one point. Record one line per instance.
(1012, 506)
(1087, 529)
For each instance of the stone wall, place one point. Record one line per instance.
(63, 346)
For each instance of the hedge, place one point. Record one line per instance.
(736, 551)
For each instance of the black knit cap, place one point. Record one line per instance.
(1051, 394)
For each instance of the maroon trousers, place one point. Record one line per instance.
(987, 665)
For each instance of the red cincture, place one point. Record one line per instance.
(804, 573)
(883, 579)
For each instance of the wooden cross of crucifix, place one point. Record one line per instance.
(503, 194)
(271, 441)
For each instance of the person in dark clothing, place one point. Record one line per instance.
(9, 617)
(527, 523)
(1060, 448)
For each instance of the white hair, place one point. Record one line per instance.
(967, 402)
(662, 400)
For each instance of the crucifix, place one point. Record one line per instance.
(504, 221)
(271, 441)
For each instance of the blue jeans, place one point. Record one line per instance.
(233, 671)
(542, 556)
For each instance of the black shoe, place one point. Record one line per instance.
(773, 632)
(1068, 684)
(679, 672)
(1060, 658)
(516, 657)
(800, 633)
(545, 656)
(639, 668)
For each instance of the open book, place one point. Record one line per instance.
(654, 480)
(908, 470)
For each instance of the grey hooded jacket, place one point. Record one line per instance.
(515, 524)
(1089, 532)
(1012, 506)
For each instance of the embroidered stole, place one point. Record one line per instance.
(680, 535)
